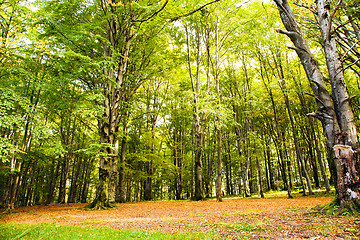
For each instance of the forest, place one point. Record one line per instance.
(113, 101)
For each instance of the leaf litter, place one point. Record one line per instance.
(269, 218)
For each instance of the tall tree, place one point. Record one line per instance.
(335, 112)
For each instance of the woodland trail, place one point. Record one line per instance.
(269, 218)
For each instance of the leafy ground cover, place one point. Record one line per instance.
(269, 218)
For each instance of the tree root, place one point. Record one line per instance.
(98, 205)
(335, 208)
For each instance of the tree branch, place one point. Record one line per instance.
(316, 98)
(287, 33)
(342, 59)
(333, 13)
(347, 99)
(352, 64)
(192, 12)
(154, 14)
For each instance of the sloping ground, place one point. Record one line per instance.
(272, 218)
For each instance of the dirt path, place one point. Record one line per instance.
(276, 218)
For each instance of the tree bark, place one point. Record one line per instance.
(325, 112)
(348, 179)
(114, 96)
(335, 113)
(121, 193)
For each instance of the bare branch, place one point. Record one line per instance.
(352, 64)
(333, 13)
(154, 14)
(342, 59)
(316, 98)
(287, 33)
(192, 12)
(319, 115)
(347, 99)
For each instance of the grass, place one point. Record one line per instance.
(243, 226)
(55, 231)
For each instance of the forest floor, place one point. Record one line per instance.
(269, 218)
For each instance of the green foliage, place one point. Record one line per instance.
(59, 67)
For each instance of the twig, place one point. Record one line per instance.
(351, 64)
(342, 59)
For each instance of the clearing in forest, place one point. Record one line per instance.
(269, 218)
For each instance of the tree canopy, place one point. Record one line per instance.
(118, 101)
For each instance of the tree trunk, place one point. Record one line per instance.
(339, 128)
(219, 168)
(316, 142)
(53, 179)
(74, 178)
(101, 200)
(295, 138)
(269, 164)
(70, 131)
(218, 128)
(260, 186)
(121, 193)
(198, 139)
(86, 180)
(348, 179)
(148, 181)
(325, 112)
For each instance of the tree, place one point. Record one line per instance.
(335, 112)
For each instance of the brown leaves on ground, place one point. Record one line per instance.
(275, 218)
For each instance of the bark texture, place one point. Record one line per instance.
(346, 140)
(334, 111)
(114, 97)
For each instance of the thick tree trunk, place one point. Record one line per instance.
(325, 112)
(340, 127)
(348, 179)
(120, 39)
(102, 200)
(113, 175)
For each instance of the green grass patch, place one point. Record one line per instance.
(242, 226)
(322, 228)
(55, 231)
